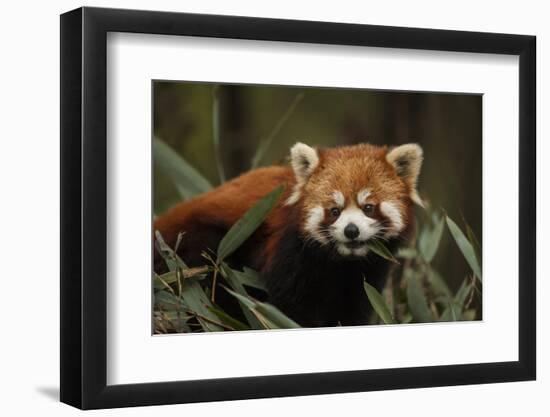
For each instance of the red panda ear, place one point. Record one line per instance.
(407, 161)
(304, 159)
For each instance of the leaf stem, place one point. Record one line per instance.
(216, 132)
(214, 280)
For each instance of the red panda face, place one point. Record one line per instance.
(350, 195)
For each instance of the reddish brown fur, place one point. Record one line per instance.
(223, 206)
(349, 169)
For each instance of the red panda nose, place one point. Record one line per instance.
(351, 231)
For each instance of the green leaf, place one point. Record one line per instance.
(417, 301)
(463, 292)
(465, 247)
(381, 250)
(475, 243)
(198, 302)
(173, 309)
(266, 143)
(407, 253)
(452, 313)
(268, 315)
(236, 284)
(188, 181)
(162, 281)
(276, 317)
(216, 131)
(172, 260)
(429, 239)
(250, 278)
(168, 301)
(228, 320)
(378, 304)
(159, 282)
(175, 315)
(192, 293)
(438, 284)
(407, 318)
(176, 320)
(247, 224)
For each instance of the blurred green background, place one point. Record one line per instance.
(447, 126)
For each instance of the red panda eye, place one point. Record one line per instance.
(335, 211)
(368, 208)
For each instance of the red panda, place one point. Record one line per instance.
(311, 249)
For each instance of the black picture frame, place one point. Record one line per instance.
(84, 207)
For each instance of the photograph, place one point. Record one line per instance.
(264, 206)
(283, 207)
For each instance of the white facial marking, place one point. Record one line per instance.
(362, 196)
(338, 198)
(354, 215)
(313, 220)
(390, 210)
(360, 251)
(345, 251)
(342, 250)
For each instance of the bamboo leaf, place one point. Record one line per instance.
(198, 302)
(475, 243)
(276, 316)
(250, 278)
(463, 292)
(452, 313)
(228, 320)
(438, 284)
(173, 310)
(428, 243)
(407, 253)
(417, 301)
(192, 293)
(172, 260)
(168, 301)
(269, 316)
(407, 318)
(378, 304)
(188, 181)
(465, 247)
(247, 224)
(216, 132)
(175, 320)
(161, 281)
(381, 250)
(236, 284)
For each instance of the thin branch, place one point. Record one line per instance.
(216, 131)
(266, 143)
(214, 280)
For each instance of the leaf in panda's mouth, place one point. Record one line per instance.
(381, 250)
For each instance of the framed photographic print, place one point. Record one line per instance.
(258, 208)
